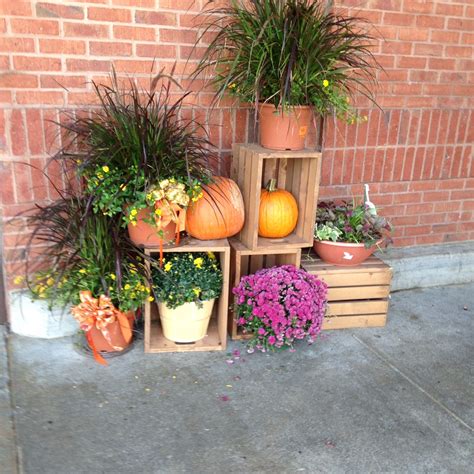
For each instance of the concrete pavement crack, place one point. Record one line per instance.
(384, 358)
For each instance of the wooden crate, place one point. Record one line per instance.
(216, 338)
(244, 261)
(357, 296)
(296, 171)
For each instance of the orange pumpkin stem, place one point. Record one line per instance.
(271, 186)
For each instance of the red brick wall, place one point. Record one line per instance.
(417, 154)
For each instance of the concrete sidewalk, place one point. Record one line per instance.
(394, 399)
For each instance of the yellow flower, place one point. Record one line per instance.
(111, 288)
(325, 83)
(158, 212)
(149, 197)
(168, 266)
(133, 295)
(50, 281)
(211, 255)
(126, 287)
(198, 262)
(150, 299)
(123, 187)
(232, 86)
(112, 276)
(105, 169)
(197, 291)
(82, 270)
(147, 290)
(134, 223)
(18, 280)
(100, 175)
(133, 212)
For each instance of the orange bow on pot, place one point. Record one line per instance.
(100, 314)
(167, 212)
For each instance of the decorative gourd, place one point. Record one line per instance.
(219, 213)
(278, 213)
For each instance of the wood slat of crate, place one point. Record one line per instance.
(216, 338)
(244, 261)
(357, 296)
(296, 171)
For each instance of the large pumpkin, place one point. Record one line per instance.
(278, 212)
(219, 213)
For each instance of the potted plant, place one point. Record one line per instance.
(138, 157)
(185, 290)
(88, 265)
(290, 59)
(280, 305)
(347, 233)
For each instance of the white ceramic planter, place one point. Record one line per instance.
(34, 319)
(186, 323)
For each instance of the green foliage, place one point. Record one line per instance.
(134, 140)
(85, 251)
(288, 53)
(326, 232)
(350, 222)
(187, 278)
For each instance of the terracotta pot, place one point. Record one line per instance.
(149, 235)
(118, 336)
(284, 130)
(186, 323)
(343, 254)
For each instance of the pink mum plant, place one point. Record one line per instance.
(280, 305)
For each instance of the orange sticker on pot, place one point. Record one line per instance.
(303, 131)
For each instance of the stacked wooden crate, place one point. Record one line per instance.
(358, 296)
(216, 338)
(295, 171)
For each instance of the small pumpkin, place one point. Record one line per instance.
(219, 214)
(278, 212)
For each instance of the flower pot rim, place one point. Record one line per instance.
(159, 302)
(267, 104)
(346, 244)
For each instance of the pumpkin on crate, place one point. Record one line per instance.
(278, 212)
(219, 213)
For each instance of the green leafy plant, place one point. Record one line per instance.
(187, 278)
(350, 222)
(84, 251)
(288, 53)
(133, 141)
(327, 232)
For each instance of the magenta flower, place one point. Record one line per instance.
(280, 305)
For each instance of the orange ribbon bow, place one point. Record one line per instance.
(100, 313)
(169, 213)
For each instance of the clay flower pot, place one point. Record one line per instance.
(149, 235)
(343, 254)
(186, 323)
(120, 337)
(284, 130)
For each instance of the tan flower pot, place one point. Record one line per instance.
(186, 323)
(284, 130)
(343, 254)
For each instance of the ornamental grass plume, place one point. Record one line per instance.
(280, 305)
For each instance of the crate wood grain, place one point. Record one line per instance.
(216, 338)
(357, 296)
(296, 171)
(244, 261)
